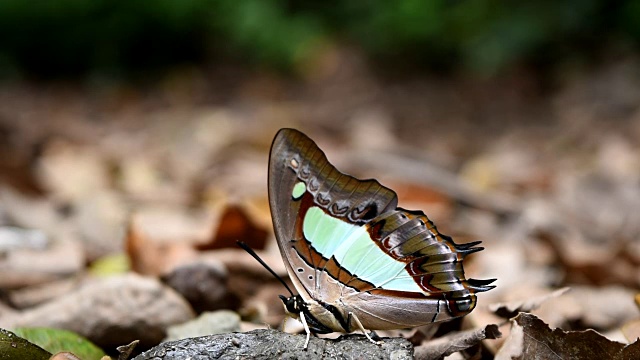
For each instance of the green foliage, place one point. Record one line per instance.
(13, 346)
(58, 340)
(64, 37)
(266, 33)
(76, 36)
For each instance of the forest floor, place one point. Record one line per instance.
(103, 179)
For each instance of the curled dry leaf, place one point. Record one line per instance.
(234, 225)
(510, 309)
(417, 335)
(447, 345)
(531, 338)
(124, 351)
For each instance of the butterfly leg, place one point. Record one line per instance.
(353, 317)
(306, 328)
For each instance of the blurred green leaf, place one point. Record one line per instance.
(57, 340)
(14, 347)
(110, 265)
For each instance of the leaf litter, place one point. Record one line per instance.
(550, 189)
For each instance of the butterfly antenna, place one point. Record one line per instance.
(255, 256)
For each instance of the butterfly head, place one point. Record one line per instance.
(293, 305)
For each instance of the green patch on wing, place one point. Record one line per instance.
(298, 190)
(355, 251)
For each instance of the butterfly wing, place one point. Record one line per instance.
(347, 245)
(301, 178)
(427, 283)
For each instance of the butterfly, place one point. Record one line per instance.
(357, 260)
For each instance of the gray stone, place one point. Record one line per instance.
(111, 311)
(203, 284)
(273, 344)
(209, 323)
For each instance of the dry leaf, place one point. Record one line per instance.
(531, 338)
(126, 350)
(72, 172)
(235, 225)
(512, 308)
(447, 345)
(152, 257)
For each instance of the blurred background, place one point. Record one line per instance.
(136, 134)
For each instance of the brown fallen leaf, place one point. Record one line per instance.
(531, 338)
(447, 345)
(151, 257)
(71, 171)
(510, 309)
(235, 225)
(125, 351)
